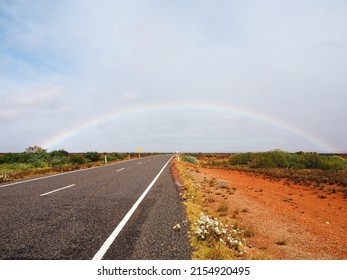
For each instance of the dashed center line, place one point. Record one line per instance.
(69, 186)
(120, 169)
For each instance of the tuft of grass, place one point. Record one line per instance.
(212, 182)
(222, 184)
(248, 231)
(223, 208)
(235, 213)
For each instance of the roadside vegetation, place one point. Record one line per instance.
(190, 159)
(326, 172)
(215, 232)
(36, 161)
(217, 229)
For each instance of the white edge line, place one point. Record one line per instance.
(65, 173)
(120, 169)
(103, 249)
(69, 186)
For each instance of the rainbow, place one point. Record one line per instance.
(189, 105)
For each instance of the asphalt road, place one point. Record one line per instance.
(70, 216)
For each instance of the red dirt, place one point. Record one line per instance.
(288, 221)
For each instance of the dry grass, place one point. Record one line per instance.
(216, 252)
(223, 208)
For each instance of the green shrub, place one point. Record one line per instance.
(243, 158)
(264, 162)
(58, 161)
(92, 156)
(37, 160)
(76, 159)
(190, 159)
(59, 153)
(296, 161)
(312, 160)
(279, 158)
(333, 163)
(115, 156)
(15, 158)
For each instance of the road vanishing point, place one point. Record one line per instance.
(125, 210)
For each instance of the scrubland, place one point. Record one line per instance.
(273, 205)
(36, 161)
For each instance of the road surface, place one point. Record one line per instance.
(90, 214)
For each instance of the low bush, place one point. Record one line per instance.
(333, 163)
(243, 158)
(190, 159)
(58, 161)
(77, 159)
(92, 156)
(58, 153)
(115, 156)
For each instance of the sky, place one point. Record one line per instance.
(166, 76)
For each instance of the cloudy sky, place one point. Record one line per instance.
(192, 75)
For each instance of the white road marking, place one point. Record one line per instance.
(102, 251)
(140, 163)
(57, 190)
(120, 169)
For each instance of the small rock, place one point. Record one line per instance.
(328, 223)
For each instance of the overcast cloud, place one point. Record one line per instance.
(65, 64)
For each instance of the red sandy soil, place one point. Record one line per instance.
(288, 221)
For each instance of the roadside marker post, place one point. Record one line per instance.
(139, 151)
(105, 159)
